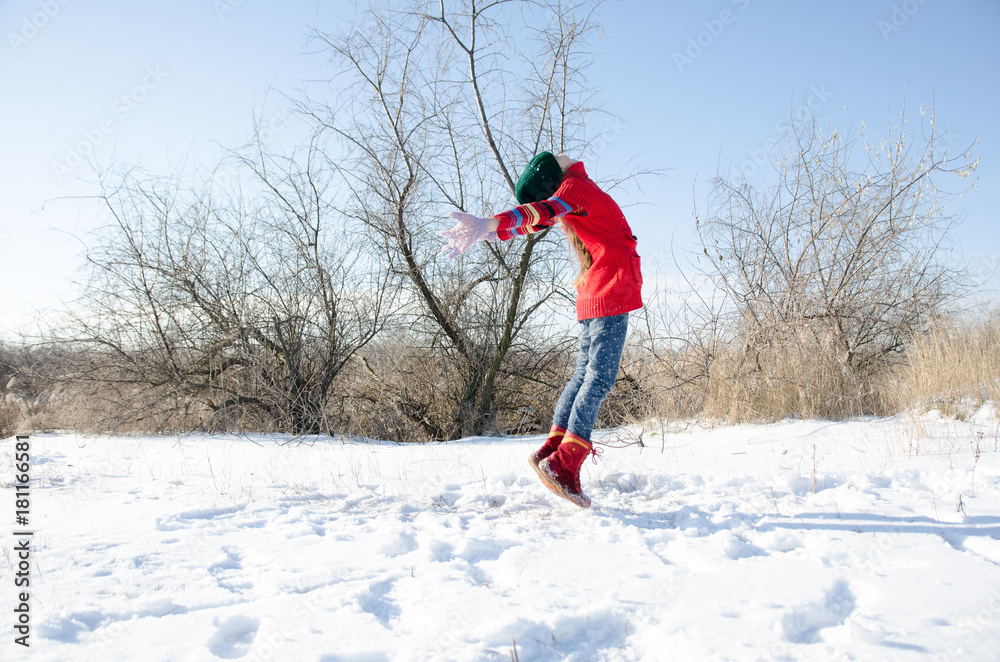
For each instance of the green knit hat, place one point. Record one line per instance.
(540, 179)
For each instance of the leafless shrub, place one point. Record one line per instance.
(444, 104)
(222, 311)
(792, 372)
(830, 271)
(400, 390)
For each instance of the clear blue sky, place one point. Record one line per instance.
(162, 83)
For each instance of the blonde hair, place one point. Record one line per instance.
(586, 259)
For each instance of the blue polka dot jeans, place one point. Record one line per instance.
(601, 342)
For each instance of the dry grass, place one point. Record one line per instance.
(23, 402)
(668, 384)
(803, 374)
(11, 417)
(100, 408)
(23, 415)
(409, 394)
(954, 367)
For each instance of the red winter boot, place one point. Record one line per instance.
(561, 471)
(548, 448)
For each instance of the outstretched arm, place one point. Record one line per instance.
(529, 218)
(521, 220)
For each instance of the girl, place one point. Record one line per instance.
(608, 287)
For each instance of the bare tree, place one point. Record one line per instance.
(234, 310)
(843, 257)
(441, 109)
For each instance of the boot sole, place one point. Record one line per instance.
(550, 483)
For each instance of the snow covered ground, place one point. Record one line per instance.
(803, 540)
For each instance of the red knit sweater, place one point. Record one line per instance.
(613, 284)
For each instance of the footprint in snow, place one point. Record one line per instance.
(378, 603)
(68, 627)
(804, 625)
(227, 571)
(195, 518)
(403, 543)
(233, 637)
(736, 547)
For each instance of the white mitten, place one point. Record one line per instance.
(469, 230)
